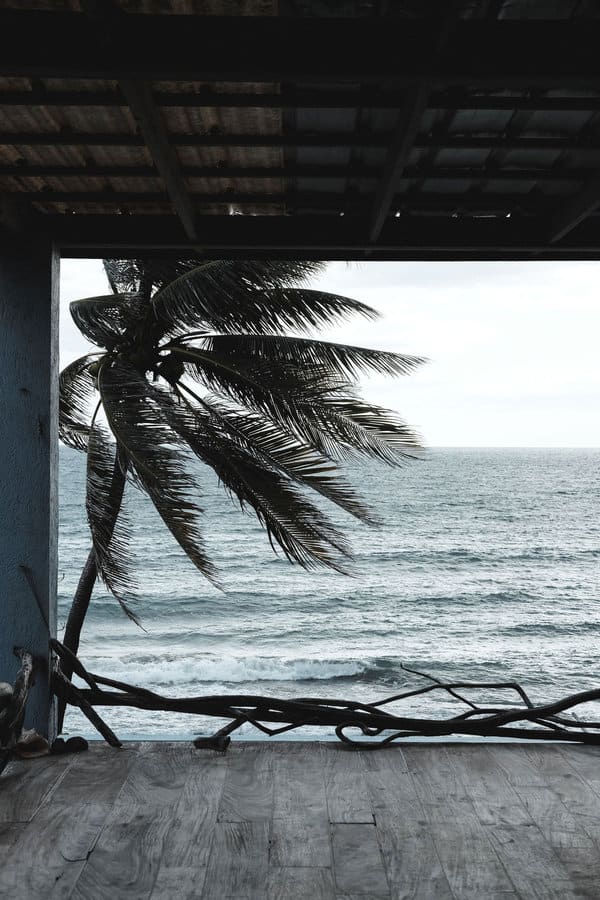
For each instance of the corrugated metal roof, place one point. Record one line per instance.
(319, 146)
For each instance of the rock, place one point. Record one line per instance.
(31, 744)
(6, 694)
(73, 745)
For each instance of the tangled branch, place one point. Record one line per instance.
(12, 709)
(524, 720)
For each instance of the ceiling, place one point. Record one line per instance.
(371, 129)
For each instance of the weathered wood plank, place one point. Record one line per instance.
(26, 784)
(348, 798)
(248, 789)
(519, 766)
(103, 767)
(411, 860)
(52, 850)
(300, 842)
(433, 774)
(576, 850)
(547, 759)
(299, 781)
(410, 857)
(300, 830)
(392, 755)
(357, 897)
(9, 835)
(238, 863)
(391, 788)
(532, 864)
(453, 822)
(495, 801)
(126, 860)
(127, 856)
(300, 884)
(358, 864)
(468, 858)
(585, 761)
(469, 861)
(178, 883)
(187, 845)
(158, 776)
(579, 799)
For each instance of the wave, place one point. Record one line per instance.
(551, 628)
(493, 556)
(165, 670)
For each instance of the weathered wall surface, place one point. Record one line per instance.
(29, 271)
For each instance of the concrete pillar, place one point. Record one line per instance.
(29, 271)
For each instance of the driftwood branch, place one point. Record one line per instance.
(66, 692)
(376, 721)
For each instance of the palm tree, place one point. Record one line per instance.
(195, 360)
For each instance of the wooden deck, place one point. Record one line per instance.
(289, 821)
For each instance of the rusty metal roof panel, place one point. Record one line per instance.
(48, 119)
(206, 120)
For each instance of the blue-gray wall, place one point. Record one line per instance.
(29, 271)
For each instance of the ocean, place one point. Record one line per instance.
(487, 567)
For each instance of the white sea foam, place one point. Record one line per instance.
(204, 670)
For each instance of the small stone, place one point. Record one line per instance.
(31, 744)
(76, 745)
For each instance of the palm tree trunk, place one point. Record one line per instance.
(85, 587)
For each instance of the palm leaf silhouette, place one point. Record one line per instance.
(212, 361)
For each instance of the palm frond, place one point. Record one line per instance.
(124, 275)
(108, 523)
(342, 359)
(273, 390)
(254, 297)
(318, 407)
(277, 448)
(76, 393)
(104, 320)
(145, 276)
(346, 426)
(304, 533)
(155, 455)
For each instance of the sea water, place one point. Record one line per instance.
(486, 567)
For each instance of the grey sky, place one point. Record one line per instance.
(512, 347)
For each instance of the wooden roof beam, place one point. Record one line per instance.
(156, 138)
(336, 202)
(321, 237)
(575, 210)
(407, 126)
(47, 44)
(108, 20)
(26, 170)
(402, 142)
(311, 139)
(317, 99)
(319, 173)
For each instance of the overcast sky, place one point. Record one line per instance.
(512, 347)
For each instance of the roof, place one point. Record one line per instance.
(350, 129)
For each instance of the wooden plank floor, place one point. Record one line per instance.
(303, 821)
